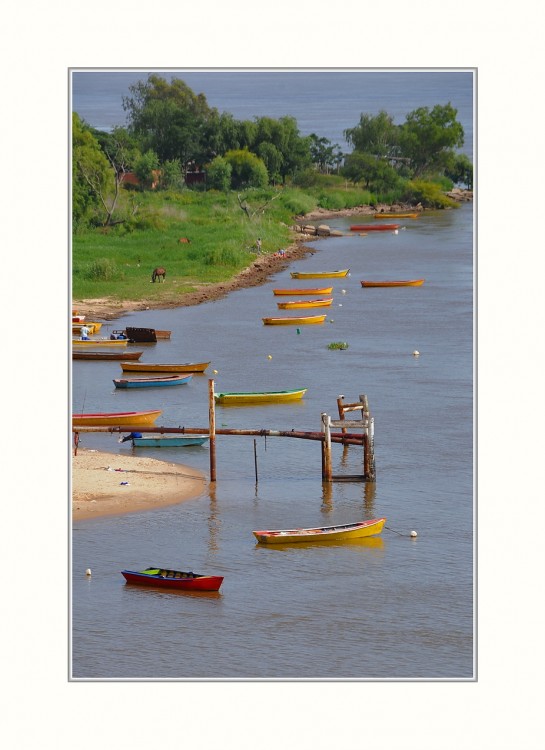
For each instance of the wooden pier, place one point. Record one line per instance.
(363, 437)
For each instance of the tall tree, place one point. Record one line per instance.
(374, 134)
(428, 138)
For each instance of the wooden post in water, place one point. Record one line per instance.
(212, 429)
(327, 472)
(341, 412)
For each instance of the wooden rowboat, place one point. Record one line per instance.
(168, 441)
(78, 318)
(409, 282)
(152, 382)
(295, 321)
(93, 356)
(397, 216)
(93, 326)
(146, 336)
(176, 580)
(193, 367)
(342, 532)
(299, 292)
(319, 274)
(305, 303)
(99, 343)
(258, 397)
(374, 227)
(115, 418)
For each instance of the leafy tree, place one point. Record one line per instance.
(323, 153)
(170, 119)
(428, 138)
(146, 168)
(248, 170)
(377, 135)
(376, 174)
(461, 170)
(218, 174)
(272, 158)
(171, 174)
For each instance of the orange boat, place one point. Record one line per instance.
(297, 292)
(374, 227)
(411, 282)
(305, 303)
(397, 216)
(298, 321)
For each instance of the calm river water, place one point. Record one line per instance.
(390, 608)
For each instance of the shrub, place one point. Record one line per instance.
(102, 269)
(429, 194)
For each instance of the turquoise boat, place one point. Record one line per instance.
(168, 441)
(152, 381)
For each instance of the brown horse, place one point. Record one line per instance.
(158, 272)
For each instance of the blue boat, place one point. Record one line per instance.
(168, 441)
(152, 381)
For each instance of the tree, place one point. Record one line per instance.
(248, 170)
(218, 174)
(93, 181)
(428, 138)
(272, 158)
(146, 169)
(171, 174)
(170, 119)
(377, 135)
(376, 174)
(461, 171)
(323, 153)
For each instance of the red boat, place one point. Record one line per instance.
(373, 227)
(176, 580)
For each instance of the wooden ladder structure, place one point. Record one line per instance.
(366, 424)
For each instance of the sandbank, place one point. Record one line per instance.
(97, 488)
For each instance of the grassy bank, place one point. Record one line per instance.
(117, 262)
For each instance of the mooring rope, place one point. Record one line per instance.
(412, 534)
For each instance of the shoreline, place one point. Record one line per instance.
(152, 483)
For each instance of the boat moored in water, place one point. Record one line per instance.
(341, 532)
(176, 580)
(259, 397)
(115, 418)
(295, 321)
(406, 282)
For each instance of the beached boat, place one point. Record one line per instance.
(92, 356)
(305, 303)
(152, 382)
(407, 282)
(374, 227)
(177, 580)
(169, 441)
(99, 343)
(397, 216)
(298, 292)
(342, 532)
(141, 335)
(295, 321)
(78, 318)
(193, 367)
(131, 418)
(320, 274)
(258, 397)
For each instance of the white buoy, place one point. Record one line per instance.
(269, 356)
(88, 572)
(215, 372)
(416, 353)
(414, 534)
(343, 291)
(340, 304)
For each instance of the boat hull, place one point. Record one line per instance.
(99, 343)
(374, 227)
(265, 397)
(299, 292)
(93, 356)
(319, 274)
(131, 418)
(304, 303)
(192, 367)
(152, 382)
(343, 532)
(409, 282)
(169, 441)
(295, 321)
(175, 580)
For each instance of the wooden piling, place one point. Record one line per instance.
(327, 473)
(212, 429)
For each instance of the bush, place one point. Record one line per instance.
(429, 194)
(102, 269)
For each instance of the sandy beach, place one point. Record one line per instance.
(99, 489)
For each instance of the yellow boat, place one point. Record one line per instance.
(305, 303)
(259, 397)
(153, 367)
(132, 418)
(295, 321)
(405, 282)
(397, 216)
(299, 292)
(319, 274)
(99, 343)
(93, 327)
(340, 533)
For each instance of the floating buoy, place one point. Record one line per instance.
(343, 291)
(215, 372)
(340, 305)
(414, 534)
(416, 353)
(88, 572)
(269, 356)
